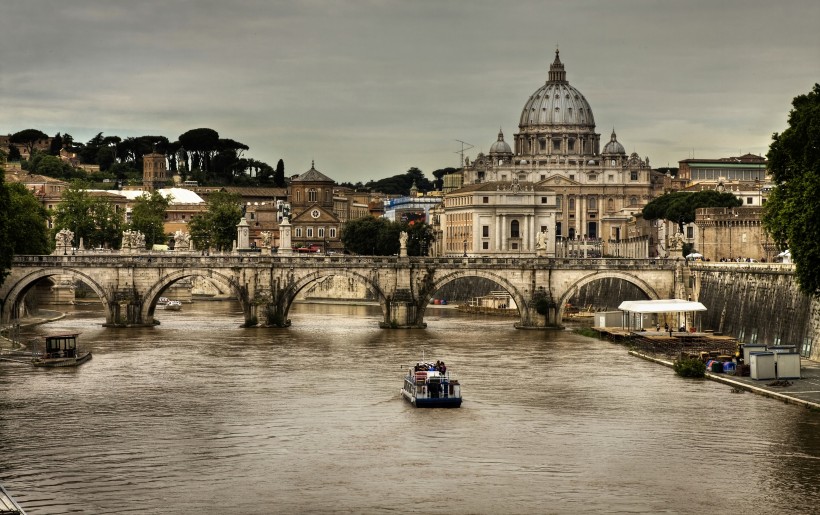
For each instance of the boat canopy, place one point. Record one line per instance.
(661, 306)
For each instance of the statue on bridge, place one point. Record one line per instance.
(133, 241)
(541, 240)
(182, 240)
(65, 240)
(266, 236)
(403, 236)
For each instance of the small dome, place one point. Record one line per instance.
(500, 146)
(613, 147)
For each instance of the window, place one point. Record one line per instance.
(485, 231)
(321, 232)
(592, 203)
(310, 232)
(311, 195)
(633, 201)
(332, 232)
(543, 228)
(543, 200)
(633, 175)
(485, 200)
(558, 229)
(485, 245)
(559, 201)
(543, 144)
(571, 205)
(556, 144)
(610, 205)
(504, 177)
(514, 229)
(571, 144)
(690, 232)
(593, 177)
(298, 232)
(611, 178)
(572, 176)
(515, 246)
(542, 175)
(749, 200)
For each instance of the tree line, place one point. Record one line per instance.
(198, 154)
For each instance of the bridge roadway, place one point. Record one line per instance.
(130, 284)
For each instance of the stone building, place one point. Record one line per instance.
(154, 171)
(557, 179)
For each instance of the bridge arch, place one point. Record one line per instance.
(21, 285)
(447, 278)
(598, 275)
(302, 282)
(152, 295)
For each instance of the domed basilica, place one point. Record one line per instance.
(557, 181)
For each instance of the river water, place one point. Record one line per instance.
(200, 416)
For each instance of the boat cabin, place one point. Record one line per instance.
(61, 346)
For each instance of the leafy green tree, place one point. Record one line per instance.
(91, 218)
(420, 238)
(680, 206)
(56, 145)
(6, 245)
(29, 219)
(28, 138)
(201, 145)
(148, 217)
(105, 157)
(216, 228)
(792, 213)
(372, 236)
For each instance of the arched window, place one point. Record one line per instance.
(514, 229)
(633, 201)
(311, 195)
(610, 205)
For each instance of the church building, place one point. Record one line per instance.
(556, 179)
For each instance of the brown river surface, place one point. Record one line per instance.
(200, 416)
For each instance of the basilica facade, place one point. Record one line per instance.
(557, 178)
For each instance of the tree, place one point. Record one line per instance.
(92, 219)
(372, 236)
(201, 145)
(279, 175)
(28, 138)
(439, 174)
(680, 206)
(6, 245)
(14, 153)
(792, 214)
(216, 228)
(29, 219)
(420, 237)
(401, 184)
(148, 217)
(56, 145)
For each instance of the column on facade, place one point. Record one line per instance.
(503, 233)
(497, 233)
(524, 233)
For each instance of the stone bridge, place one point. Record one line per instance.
(129, 285)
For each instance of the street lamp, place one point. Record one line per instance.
(465, 248)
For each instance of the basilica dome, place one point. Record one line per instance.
(613, 147)
(500, 146)
(556, 103)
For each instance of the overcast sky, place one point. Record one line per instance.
(370, 88)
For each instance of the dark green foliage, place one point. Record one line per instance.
(28, 220)
(792, 212)
(689, 367)
(91, 218)
(14, 153)
(6, 245)
(439, 175)
(216, 228)
(401, 184)
(148, 217)
(28, 138)
(279, 175)
(372, 236)
(680, 206)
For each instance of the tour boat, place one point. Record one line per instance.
(173, 305)
(61, 351)
(429, 386)
(163, 301)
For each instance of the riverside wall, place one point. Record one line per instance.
(757, 303)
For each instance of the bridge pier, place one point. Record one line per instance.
(402, 312)
(274, 315)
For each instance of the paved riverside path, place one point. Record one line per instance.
(802, 392)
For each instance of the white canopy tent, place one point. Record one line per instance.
(639, 308)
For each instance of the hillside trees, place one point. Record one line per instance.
(279, 175)
(28, 138)
(792, 213)
(401, 184)
(6, 246)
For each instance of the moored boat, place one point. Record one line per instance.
(163, 301)
(61, 351)
(173, 305)
(429, 385)
(9, 506)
